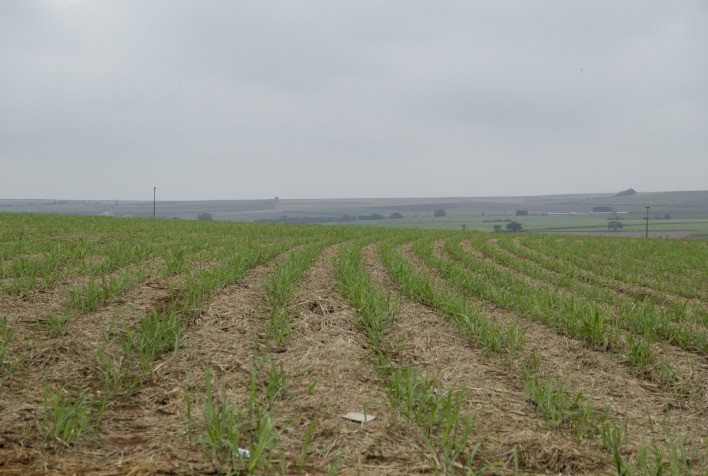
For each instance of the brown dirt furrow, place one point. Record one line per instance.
(327, 348)
(151, 428)
(605, 380)
(504, 419)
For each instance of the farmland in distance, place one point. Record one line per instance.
(672, 214)
(169, 346)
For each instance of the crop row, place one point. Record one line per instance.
(670, 323)
(547, 266)
(672, 266)
(557, 403)
(566, 314)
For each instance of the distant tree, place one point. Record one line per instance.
(514, 226)
(464, 227)
(439, 212)
(396, 216)
(497, 228)
(522, 213)
(615, 225)
(205, 217)
(629, 191)
(376, 216)
(667, 217)
(602, 209)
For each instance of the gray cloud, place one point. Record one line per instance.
(222, 99)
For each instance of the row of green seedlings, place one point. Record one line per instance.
(97, 260)
(546, 257)
(671, 324)
(95, 251)
(569, 315)
(671, 321)
(279, 289)
(573, 315)
(95, 294)
(72, 416)
(444, 427)
(245, 439)
(698, 311)
(26, 273)
(656, 264)
(47, 234)
(557, 404)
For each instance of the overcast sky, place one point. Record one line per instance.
(316, 99)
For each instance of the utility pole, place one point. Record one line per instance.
(647, 232)
(154, 195)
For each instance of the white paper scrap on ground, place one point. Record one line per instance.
(242, 453)
(360, 417)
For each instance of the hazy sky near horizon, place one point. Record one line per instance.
(104, 99)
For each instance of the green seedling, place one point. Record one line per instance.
(67, 418)
(309, 433)
(56, 324)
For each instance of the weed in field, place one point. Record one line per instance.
(437, 413)
(593, 327)
(175, 260)
(309, 433)
(157, 333)
(265, 439)
(222, 431)
(279, 325)
(681, 460)
(276, 384)
(311, 387)
(640, 355)
(115, 376)
(670, 375)
(67, 419)
(559, 406)
(227, 433)
(613, 436)
(333, 467)
(56, 324)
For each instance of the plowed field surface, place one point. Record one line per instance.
(155, 346)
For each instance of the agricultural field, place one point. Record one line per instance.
(673, 214)
(139, 346)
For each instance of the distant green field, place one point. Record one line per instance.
(551, 224)
(688, 211)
